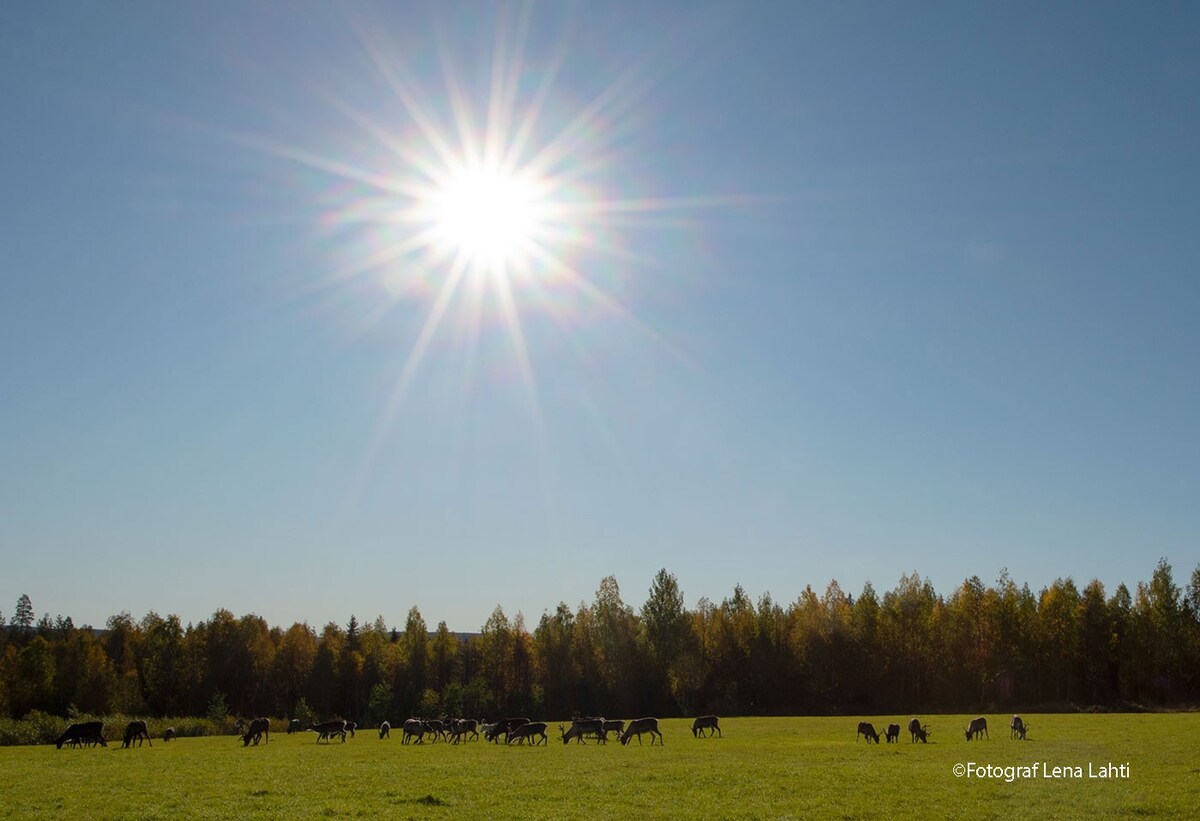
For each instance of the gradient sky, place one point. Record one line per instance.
(866, 288)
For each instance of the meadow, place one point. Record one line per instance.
(761, 768)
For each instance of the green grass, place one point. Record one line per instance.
(762, 768)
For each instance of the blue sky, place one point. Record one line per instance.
(835, 290)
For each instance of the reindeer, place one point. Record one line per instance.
(977, 728)
(258, 729)
(892, 733)
(1017, 728)
(463, 729)
(294, 726)
(168, 734)
(328, 729)
(413, 728)
(528, 730)
(581, 727)
(919, 732)
(385, 730)
(613, 726)
(710, 723)
(503, 726)
(642, 725)
(136, 729)
(436, 728)
(468, 727)
(867, 731)
(84, 731)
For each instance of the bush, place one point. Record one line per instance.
(42, 728)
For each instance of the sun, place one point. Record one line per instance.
(489, 216)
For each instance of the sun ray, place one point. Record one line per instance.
(402, 88)
(487, 205)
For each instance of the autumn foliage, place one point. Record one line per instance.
(909, 649)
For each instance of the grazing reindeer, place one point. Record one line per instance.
(328, 729)
(1017, 728)
(136, 729)
(259, 728)
(168, 734)
(892, 733)
(528, 730)
(294, 726)
(867, 730)
(710, 723)
(918, 731)
(642, 725)
(977, 727)
(385, 730)
(581, 727)
(505, 726)
(85, 731)
(613, 726)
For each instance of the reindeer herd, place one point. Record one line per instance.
(511, 730)
(920, 732)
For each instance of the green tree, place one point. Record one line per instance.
(1159, 613)
(415, 651)
(664, 618)
(616, 639)
(34, 678)
(379, 705)
(24, 617)
(293, 665)
(1094, 644)
(218, 708)
(555, 668)
(162, 662)
(1058, 615)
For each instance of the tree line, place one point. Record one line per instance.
(911, 649)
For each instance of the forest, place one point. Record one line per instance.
(911, 649)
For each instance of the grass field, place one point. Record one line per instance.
(762, 768)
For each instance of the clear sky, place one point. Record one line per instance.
(311, 309)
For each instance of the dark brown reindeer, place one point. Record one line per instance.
(294, 726)
(463, 729)
(503, 726)
(710, 723)
(258, 729)
(1017, 728)
(919, 731)
(169, 734)
(977, 728)
(867, 730)
(892, 733)
(529, 730)
(385, 730)
(136, 730)
(642, 725)
(413, 728)
(615, 726)
(83, 732)
(436, 728)
(581, 727)
(328, 729)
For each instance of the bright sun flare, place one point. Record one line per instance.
(489, 215)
